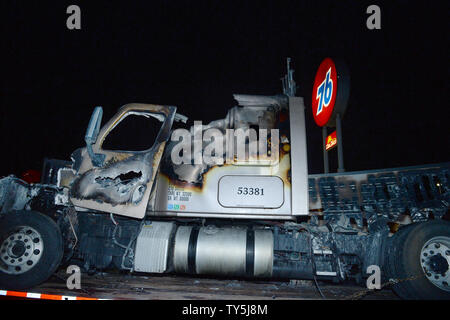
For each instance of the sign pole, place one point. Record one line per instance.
(339, 144)
(326, 166)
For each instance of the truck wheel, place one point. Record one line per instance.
(31, 249)
(420, 260)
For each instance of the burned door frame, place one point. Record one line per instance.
(123, 183)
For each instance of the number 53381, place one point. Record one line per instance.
(250, 191)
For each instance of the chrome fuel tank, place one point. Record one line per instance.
(229, 251)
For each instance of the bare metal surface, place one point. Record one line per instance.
(110, 188)
(299, 165)
(168, 287)
(222, 251)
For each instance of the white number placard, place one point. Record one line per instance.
(251, 191)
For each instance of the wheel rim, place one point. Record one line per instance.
(21, 250)
(435, 261)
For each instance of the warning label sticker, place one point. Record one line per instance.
(177, 195)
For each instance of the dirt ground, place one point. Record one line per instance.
(168, 287)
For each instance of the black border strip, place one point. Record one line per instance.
(250, 253)
(192, 249)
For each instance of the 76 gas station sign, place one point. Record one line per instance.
(324, 92)
(329, 101)
(330, 92)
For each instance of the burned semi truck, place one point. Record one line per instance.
(257, 215)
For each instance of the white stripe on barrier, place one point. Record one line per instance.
(43, 296)
(33, 295)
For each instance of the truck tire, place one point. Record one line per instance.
(418, 259)
(31, 249)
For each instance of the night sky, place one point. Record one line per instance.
(195, 55)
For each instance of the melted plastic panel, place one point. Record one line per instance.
(14, 194)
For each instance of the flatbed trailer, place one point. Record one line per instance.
(119, 286)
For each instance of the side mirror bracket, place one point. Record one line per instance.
(91, 136)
